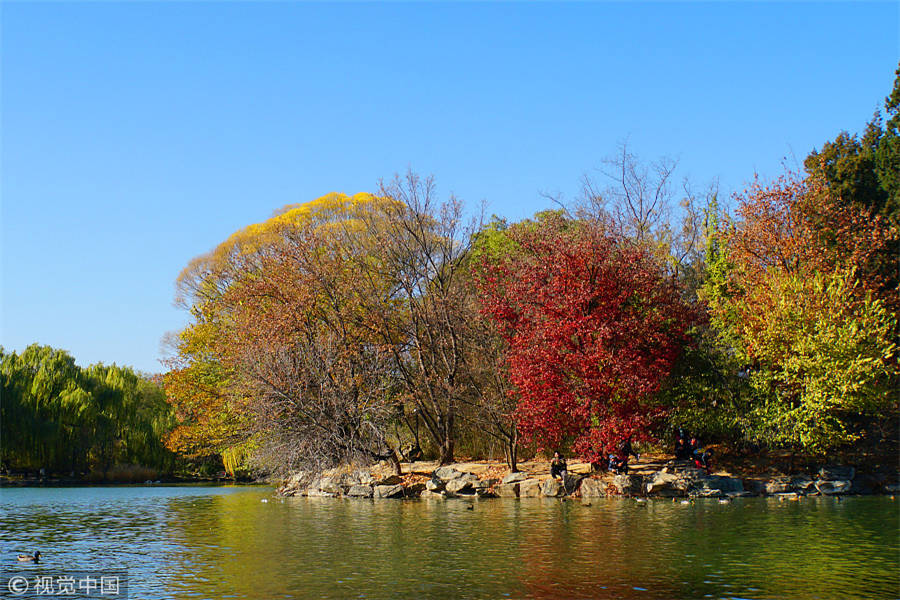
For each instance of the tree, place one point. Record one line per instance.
(806, 303)
(593, 326)
(278, 357)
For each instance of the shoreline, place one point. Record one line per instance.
(656, 476)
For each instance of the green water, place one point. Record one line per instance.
(220, 542)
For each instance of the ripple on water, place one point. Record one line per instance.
(196, 542)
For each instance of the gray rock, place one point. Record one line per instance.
(331, 485)
(462, 485)
(508, 490)
(364, 478)
(388, 491)
(486, 483)
(552, 488)
(803, 485)
(360, 491)
(833, 488)
(429, 495)
(434, 485)
(486, 492)
(447, 473)
(718, 483)
(628, 485)
(779, 485)
(592, 488)
(514, 477)
(787, 495)
(666, 484)
(529, 488)
(836, 473)
(572, 481)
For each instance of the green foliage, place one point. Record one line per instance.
(825, 356)
(60, 417)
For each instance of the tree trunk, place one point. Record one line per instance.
(446, 456)
(512, 452)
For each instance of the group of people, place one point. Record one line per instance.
(686, 448)
(689, 448)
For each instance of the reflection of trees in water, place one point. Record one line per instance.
(542, 548)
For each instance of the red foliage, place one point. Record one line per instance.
(593, 327)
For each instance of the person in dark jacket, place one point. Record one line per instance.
(558, 466)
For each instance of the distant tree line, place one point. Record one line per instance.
(68, 420)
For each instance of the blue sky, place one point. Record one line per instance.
(136, 136)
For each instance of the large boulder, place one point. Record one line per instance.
(434, 485)
(447, 473)
(628, 485)
(552, 488)
(465, 484)
(508, 490)
(360, 491)
(429, 495)
(833, 488)
(717, 483)
(515, 477)
(572, 481)
(592, 488)
(779, 485)
(836, 473)
(666, 484)
(529, 488)
(388, 491)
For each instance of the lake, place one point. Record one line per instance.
(224, 542)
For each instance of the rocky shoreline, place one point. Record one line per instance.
(669, 479)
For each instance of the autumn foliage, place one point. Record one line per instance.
(593, 328)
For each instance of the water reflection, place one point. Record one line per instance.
(194, 542)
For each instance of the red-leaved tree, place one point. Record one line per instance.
(593, 327)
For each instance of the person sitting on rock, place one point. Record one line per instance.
(699, 455)
(682, 449)
(619, 462)
(558, 466)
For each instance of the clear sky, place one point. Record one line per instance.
(136, 136)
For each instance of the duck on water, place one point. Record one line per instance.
(36, 557)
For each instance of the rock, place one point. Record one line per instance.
(388, 491)
(892, 488)
(787, 495)
(508, 490)
(718, 483)
(803, 485)
(462, 485)
(429, 495)
(515, 477)
(414, 491)
(666, 484)
(552, 488)
(486, 483)
(744, 494)
(529, 488)
(331, 485)
(364, 477)
(390, 480)
(360, 491)
(434, 485)
(572, 481)
(779, 485)
(592, 488)
(447, 473)
(486, 493)
(836, 473)
(628, 485)
(832, 488)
